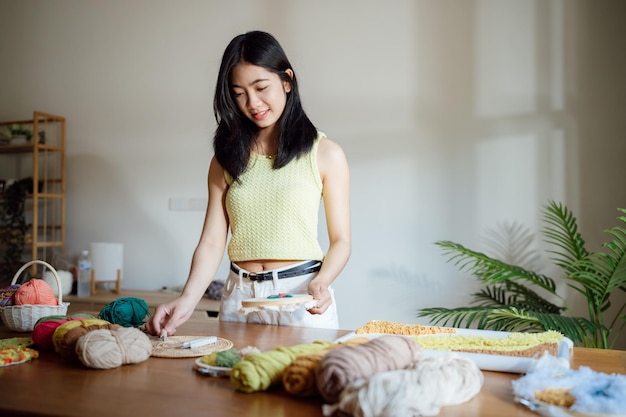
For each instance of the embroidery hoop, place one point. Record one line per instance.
(290, 303)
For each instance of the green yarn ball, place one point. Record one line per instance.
(126, 311)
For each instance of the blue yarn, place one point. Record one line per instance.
(126, 311)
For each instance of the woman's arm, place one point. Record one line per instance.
(206, 258)
(335, 173)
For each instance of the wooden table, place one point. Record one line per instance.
(170, 387)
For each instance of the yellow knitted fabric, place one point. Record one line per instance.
(274, 213)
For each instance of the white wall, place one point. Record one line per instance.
(455, 116)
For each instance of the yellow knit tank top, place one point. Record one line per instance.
(274, 213)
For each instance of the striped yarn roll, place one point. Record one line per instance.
(341, 367)
(257, 372)
(299, 376)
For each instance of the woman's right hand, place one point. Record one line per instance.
(169, 316)
(205, 262)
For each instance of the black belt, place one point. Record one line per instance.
(303, 269)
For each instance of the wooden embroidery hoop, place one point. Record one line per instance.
(291, 303)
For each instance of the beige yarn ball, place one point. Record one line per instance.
(111, 348)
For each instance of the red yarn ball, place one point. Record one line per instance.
(35, 291)
(43, 331)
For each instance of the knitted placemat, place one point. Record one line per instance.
(16, 342)
(170, 347)
(15, 355)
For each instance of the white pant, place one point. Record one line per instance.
(238, 288)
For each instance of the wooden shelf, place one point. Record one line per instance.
(28, 148)
(45, 162)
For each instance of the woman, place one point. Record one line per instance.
(270, 171)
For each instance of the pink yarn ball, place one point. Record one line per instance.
(35, 291)
(43, 331)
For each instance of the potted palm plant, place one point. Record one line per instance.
(512, 299)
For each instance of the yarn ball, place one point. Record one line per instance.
(343, 366)
(43, 331)
(126, 311)
(45, 327)
(214, 291)
(299, 376)
(224, 358)
(67, 345)
(7, 295)
(68, 316)
(35, 291)
(433, 383)
(110, 348)
(60, 331)
(259, 371)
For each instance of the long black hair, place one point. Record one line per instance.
(235, 133)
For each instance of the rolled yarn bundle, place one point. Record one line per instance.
(7, 295)
(126, 311)
(111, 348)
(59, 333)
(259, 371)
(341, 367)
(35, 291)
(299, 376)
(67, 345)
(43, 331)
(45, 327)
(434, 382)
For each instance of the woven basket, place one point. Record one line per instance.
(22, 318)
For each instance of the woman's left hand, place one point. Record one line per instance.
(319, 290)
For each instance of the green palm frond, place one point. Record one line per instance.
(491, 270)
(512, 293)
(562, 232)
(458, 317)
(509, 302)
(492, 296)
(512, 319)
(600, 274)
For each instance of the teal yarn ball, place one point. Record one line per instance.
(126, 311)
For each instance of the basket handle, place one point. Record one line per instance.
(47, 265)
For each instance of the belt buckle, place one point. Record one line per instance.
(258, 276)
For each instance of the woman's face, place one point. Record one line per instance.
(260, 94)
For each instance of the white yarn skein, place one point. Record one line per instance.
(107, 349)
(434, 382)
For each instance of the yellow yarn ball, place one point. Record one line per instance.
(62, 330)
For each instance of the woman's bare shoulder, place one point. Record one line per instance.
(330, 150)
